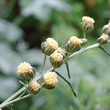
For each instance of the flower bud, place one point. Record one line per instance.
(103, 39)
(84, 41)
(87, 24)
(34, 87)
(106, 29)
(26, 71)
(56, 59)
(74, 44)
(49, 46)
(49, 80)
(62, 51)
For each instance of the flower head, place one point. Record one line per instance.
(56, 59)
(87, 24)
(50, 80)
(34, 87)
(88, 19)
(49, 46)
(103, 39)
(26, 71)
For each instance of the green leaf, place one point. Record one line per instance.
(9, 31)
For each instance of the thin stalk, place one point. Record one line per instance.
(103, 49)
(17, 99)
(67, 83)
(68, 71)
(43, 63)
(84, 34)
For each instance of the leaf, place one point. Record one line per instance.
(9, 31)
(42, 9)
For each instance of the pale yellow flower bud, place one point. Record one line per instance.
(74, 44)
(34, 87)
(103, 39)
(49, 46)
(87, 24)
(50, 80)
(88, 19)
(56, 59)
(26, 71)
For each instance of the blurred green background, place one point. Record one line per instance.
(24, 24)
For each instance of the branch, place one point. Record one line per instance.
(67, 83)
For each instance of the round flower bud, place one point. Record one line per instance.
(106, 29)
(87, 24)
(34, 87)
(49, 80)
(84, 41)
(49, 46)
(62, 51)
(26, 71)
(56, 59)
(103, 39)
(74, 44)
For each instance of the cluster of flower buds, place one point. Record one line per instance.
(49, 80)
(49, 46)
(87, 24)
(73, 44)
(26, 71)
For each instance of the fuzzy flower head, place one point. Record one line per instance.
(75, 41)
(49, 46)
(106, 29)
(34, 87)
(56, 59)
(103, 39)
(88, 19)
(25, 70)
(52, 43)
(87, 24)
(50, 80)
(61, 51)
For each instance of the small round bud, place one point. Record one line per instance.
(84, 41)
(62, 51)
(26, 71)
(74, 44)
(49, 46)
(106, 29)
(34, 87)
(103, 39)
(49, 80)
(87, 24)
(56, 59)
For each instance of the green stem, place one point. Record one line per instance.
(84, 34)
(67, 83)
(106, 51)
(43, 63)
(67, 67)
(17, 99)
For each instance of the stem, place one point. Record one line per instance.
(43, 63)
(83, 50)
(67, 83)
(17, 99)
(67, 67)
(103, 49)
(84, 34)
